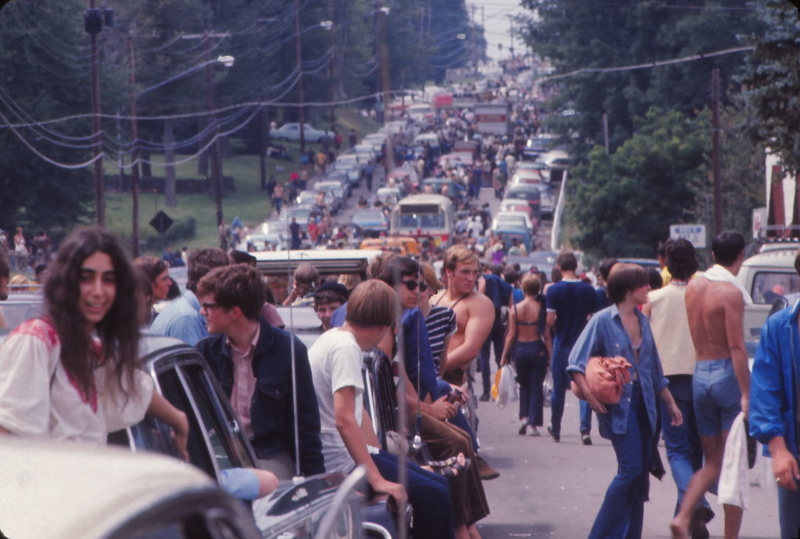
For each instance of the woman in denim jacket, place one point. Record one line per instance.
(622, 330)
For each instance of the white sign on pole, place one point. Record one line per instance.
(694, 233)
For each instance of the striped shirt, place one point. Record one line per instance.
(441, 323)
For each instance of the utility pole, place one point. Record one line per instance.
(472, 42)
(715, 150)
(383, 11)
(332, 94)
(93, 24)
(298, 58)
(134, 150)
(216, 161)
(605, 131)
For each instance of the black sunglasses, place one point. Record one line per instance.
(412, 285)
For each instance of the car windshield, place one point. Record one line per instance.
(422, 221)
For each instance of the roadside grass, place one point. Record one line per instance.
(247, 202)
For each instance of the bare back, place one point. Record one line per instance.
(715, 311)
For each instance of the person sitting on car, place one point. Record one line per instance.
(253, 363)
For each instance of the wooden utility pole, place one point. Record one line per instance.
(385, 84)
(216, 160)
(94, 25)
(605, 131)
(715, 150)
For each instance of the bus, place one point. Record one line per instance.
(424, 217)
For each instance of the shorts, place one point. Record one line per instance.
(717, 397)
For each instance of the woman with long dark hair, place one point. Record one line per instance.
(528, 344)
(71, 374)
(632, 425)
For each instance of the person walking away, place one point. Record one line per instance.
(71, 374)
(499, 291)
(569, 304)
(529, 346)
(774, 408)
(721, 384)
(632, 425)
(666, 310)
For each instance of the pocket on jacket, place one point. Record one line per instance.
(269, 407)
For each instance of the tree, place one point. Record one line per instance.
(771, 83)
(600, 35)
(44, 69)
(624, 202)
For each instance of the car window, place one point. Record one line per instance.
(174, 391)
(227, 440)
(770, 285)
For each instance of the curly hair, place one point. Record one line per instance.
(118, 330)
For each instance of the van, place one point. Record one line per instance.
(424, 216)
(767, 277)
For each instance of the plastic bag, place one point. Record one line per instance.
(507, 386)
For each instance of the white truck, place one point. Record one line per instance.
(493, 118)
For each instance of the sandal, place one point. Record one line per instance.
(449, 468)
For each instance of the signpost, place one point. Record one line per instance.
(694, 233)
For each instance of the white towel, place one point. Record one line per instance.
(720, 273)
(734, 486)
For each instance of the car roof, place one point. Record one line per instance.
(328, 262)
(782, 258)
(61, 490)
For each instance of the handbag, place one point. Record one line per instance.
(605, 377)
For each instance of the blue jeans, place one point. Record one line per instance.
(561, 382)
(789, 513)
(531, 363)
(717, 397)
(622, 514)
(428, 494)
(497, 337)
(684, 451)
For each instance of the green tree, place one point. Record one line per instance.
(44, 71)
(624, 202)
(599, 35)
(771, 83)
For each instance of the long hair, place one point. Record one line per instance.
(118, 330)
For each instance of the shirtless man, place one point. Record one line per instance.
(474, 320)
(721, 384)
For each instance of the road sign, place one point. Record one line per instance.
(694, 233)
(161, 222)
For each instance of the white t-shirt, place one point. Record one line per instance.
(335, 360)
(39, 399)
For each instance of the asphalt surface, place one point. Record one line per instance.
(554, 490)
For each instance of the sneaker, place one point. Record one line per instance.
(554, 435)
(486, 472)
(523, 429)
(486, 397)
(534, 431)
(586, 439)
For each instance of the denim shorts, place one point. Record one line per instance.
(717, 397)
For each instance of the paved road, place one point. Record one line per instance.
(554, 490)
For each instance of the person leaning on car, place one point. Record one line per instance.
(252, 361)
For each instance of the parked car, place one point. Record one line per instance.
(58, 490)
(217, 441)
(523, 234)
(524, 176)
(516, 218)
(370, 223)
(334, 194)
(291, 131)
(528, 193)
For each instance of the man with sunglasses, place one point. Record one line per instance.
(253, 363)
(443, 439)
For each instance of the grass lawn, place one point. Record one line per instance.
(247, 202)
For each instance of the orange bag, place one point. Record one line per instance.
(605, 377)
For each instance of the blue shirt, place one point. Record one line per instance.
(497, 290)
(774, 381)
(418, 355)
(605, 336)
(339, 316)
(573, 302)
(182, 320)
(601, 299)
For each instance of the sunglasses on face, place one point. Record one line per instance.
(412, 285)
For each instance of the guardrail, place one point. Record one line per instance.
(555, 232)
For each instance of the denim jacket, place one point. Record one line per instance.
(773, 383)
(605, 336)
(271, 413)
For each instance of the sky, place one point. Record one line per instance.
(495, 15)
